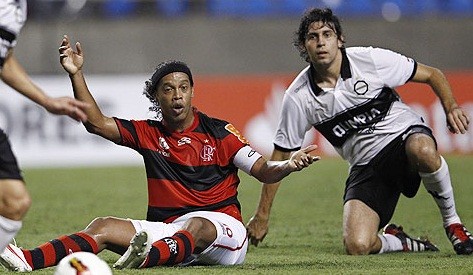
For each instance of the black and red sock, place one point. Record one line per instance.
(171, 250)
(50, 253)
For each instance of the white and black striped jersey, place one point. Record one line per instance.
(361, 115)
(12, 19)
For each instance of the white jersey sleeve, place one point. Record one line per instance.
(293, 123)
(12, 19)
(245, 158)
(393, 68)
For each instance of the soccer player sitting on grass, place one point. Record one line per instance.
(348, 95)
(191, 161)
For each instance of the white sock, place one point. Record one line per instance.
(390, 243)
(438, 184)
(8, 230)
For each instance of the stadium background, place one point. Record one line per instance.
(240, 52)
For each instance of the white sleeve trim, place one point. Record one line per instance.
(245, 158)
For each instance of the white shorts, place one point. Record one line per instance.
(229, 248)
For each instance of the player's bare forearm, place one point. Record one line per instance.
(457, 119)
(96, 123)
(258, 225)
(14, 75)
(275, 170)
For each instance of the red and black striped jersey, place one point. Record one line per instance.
(187, 171)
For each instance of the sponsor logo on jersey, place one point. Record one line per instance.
(234, 131)
(207, 153)
(357, 119)
(356, 122)
(297, 89)
(184, 140)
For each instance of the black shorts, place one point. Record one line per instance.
(380, 182)
(8, 166)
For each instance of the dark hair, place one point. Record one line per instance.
(315, 15)
(163, 69)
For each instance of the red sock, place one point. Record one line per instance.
(171, 250)
(50, 253)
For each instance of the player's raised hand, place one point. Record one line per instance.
(71, 60)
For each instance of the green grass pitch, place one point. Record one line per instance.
(305, 233)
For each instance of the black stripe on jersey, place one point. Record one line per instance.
(199, 178)
(128, 125)
(159, 214)
(360, 118)
(215, 127)
(6, 35)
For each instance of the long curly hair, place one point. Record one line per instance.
(325, 16)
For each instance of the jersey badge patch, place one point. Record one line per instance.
(361, 87)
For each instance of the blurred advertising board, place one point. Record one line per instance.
(250, 102)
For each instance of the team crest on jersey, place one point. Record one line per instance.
(234, 131)
(207, 153)
(361, 87)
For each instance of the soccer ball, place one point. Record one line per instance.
(82, 263)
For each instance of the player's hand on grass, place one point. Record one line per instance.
(303, 158)
(71, 60)
(256, 228)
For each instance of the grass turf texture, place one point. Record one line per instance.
(305, 232)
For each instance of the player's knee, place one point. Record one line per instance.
(202, 230)
(16, 207)
(98, 226)
(423, 153)
(357, 246)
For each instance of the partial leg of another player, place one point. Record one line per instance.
(433, 169)
(14, 203)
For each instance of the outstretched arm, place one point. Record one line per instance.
(72, 62)
(258, 225)
(457, 119)
(15, 76)
(275, 170)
